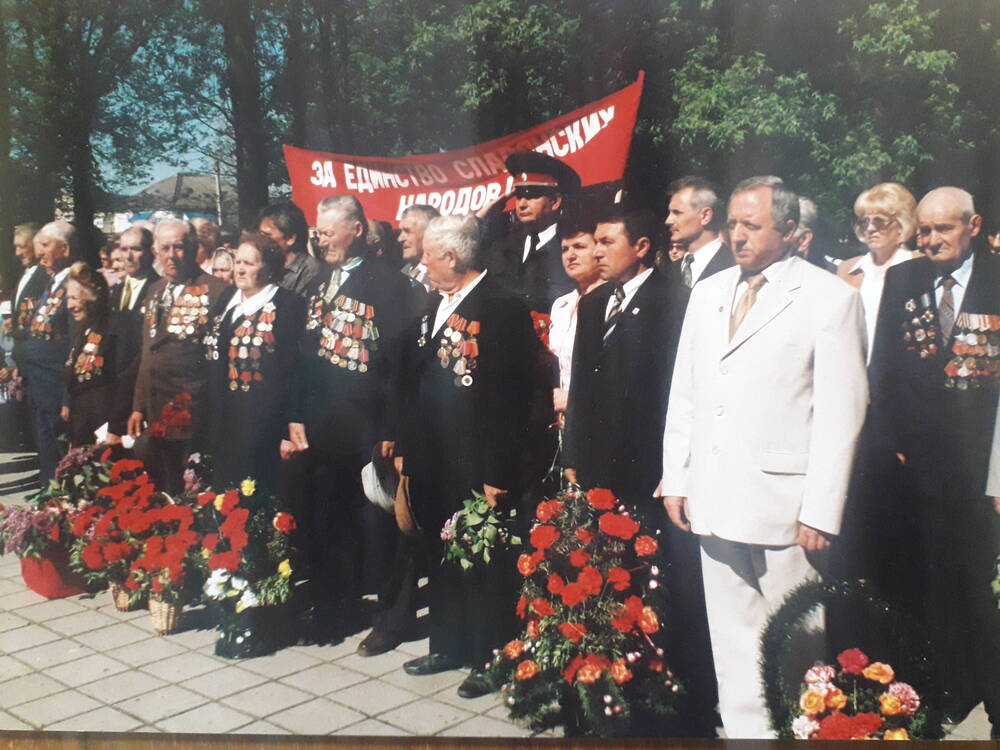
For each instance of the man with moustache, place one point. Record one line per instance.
(767, 399)
(41, 354)
(178, 312)
(935, 370)
(694, 219)
(412, 225)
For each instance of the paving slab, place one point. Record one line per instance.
(8, 722)
(428, 684)
(53, 653)
(280, 664)
(143, 652)
(87, 669)
(324, 678)
(208, 719)
(182, 666)
(223, 682)
(159, 704)
(27, 688)
(122, 686)
(373, 697)
(375, 666)
(425, 716)
(113, 636)
(318, 716)
(266, 699)
(25, 637)
(10, 621)
(54, 708)
(11, 668)
(80, 622)
(103, 719)
(50, 609)
(261, 728)
(485, 726)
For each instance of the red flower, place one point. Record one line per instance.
(210, 542)
(853, 660)
(645, 546)
(542, 323)
(578, 558)
(522, 606)
(556, 584)
(526, 564)
(548, 509)
(229, 501)
(648, 622)
(629, 613)
(123, 466)
(284, 522)
(157, 586)
(573, 631)
(92, 556)
(620, 672)
(224, 561)
(840, 726)
(601, 499)
(573, 594)
(591, 581)
(586, 536)
(572, 668)
(204, 498)
(622, 527)
(619, 578)
(542, 607)
(131, 584)
(543, 537)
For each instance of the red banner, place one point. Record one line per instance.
(594, 140)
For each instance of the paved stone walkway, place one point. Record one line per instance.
(78, 664)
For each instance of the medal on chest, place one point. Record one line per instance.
(251, 342)
(25, 309)
(41, 323)
(921, 332)
(346, 333)
(88, 363)
(188, 315)
(975, 349)
(458, 349)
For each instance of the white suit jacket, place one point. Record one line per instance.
(761, 430)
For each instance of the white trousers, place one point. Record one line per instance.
(744, 585)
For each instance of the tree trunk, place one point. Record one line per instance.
(295, 74)
(243, 78)
(6, 187)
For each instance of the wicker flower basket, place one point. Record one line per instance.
(165, 616)
(120, 597)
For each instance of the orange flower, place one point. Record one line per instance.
(879, 672)
(588, 673)
(648, 621)
(812, 702)
(573, 631)
(645, 546)
(620, 673)
(548, 509)
(526, 564)
(526, 670)
(889, 705)
(835, 698)
(532, 629)
(591, 581)
(896, 734)
(513, 649)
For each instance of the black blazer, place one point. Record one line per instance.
(539, 280)
(926, 402)
(618, 393)
(722, 260)
(127, 328)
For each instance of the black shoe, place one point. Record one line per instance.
(430, 664)
(474, 686)
(377, 642)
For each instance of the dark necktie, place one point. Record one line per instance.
(946, 309)
(613, 314)
(686, 275)
(532, 245)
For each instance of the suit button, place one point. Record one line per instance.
(715, 450)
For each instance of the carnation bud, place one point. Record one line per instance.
(659, 652)
(618, 709)
(630, 657)
(607, 711)
(669, 673)
(653, 584)
(675, 689)
(510, 701)
(658, 532)
(496, 651)
(607, 699)
(655, 570)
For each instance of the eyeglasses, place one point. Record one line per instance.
(878, 223)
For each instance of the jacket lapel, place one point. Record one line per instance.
(768, 306)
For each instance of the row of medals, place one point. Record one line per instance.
(88, 365)
(41, 326)
(977, 348)
(453, 349)
(189, 313)
(348, 335)
(243, 346)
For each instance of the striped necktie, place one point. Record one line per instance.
(613, 314)
(947, 307)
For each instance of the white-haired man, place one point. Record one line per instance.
(354, 319)
(412, 225)
(935, 372)
(463, 395)
(41, 354)
(177, 314)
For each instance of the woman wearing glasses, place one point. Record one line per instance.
(886, 222)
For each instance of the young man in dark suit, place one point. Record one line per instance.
(694, 219)
(935, 372)
(626, 340)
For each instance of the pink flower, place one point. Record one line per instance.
(906, 695)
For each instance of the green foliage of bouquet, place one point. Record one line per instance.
(475, 531)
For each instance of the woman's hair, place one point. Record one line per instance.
(95, 289)
(272, 257)
(893, 200)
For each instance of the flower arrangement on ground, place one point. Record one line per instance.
(175, 418)
(248, 556)
(862, 700)
(588, 658)
(473, 532)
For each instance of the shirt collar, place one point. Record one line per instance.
(455, 297)
(245, 307)
(867, 263)
(964, 271)
(60, 277)
(630, 286)
(547, 234)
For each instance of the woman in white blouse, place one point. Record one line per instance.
(886, 222)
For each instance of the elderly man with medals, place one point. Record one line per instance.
(168, 406)
(353, 322)
(466, 378)
(935, 371)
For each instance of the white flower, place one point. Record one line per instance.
(238, 583)
(249, 599)
(216, 585)
(804, 726)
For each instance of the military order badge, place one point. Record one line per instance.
(458, 348)
(976, 350)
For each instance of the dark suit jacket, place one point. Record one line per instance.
(24, 306)
(923, 405)
(539, 280)
(722, 260)
(457, 437)
(127, 327)
(618, 397)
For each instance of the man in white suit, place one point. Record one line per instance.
(767, 399)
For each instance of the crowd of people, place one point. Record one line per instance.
(770, 411)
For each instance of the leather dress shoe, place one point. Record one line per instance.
(474, 686)
(430, 664)
(377, 642)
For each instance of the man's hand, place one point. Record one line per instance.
(297, 434)
(493, 494)
(677, 509)
(996, 505)
(113, 439)
(134, 426)
(901, 458)
(570, 475)
(286, 449)
(483, 212)
(64, 413)
(387, 448)
(397, 461)
(811, 539)
(560, 397)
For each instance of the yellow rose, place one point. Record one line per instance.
(219, 499)
(812, 702)
(284, 569)
(896, 734)
(836, 699)
(890, 705)
(879, 672)
(247, 487)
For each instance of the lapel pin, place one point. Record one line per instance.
(635, 310)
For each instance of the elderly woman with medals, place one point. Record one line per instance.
(253, 348)
(90, 367)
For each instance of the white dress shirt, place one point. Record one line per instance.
(25, 278)
(450, 301)
(872, 284)
(701, 257)
(961, 275)
(562, 333)
(136, 285)
(544, 236)
(630, 288)
(248, 306)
